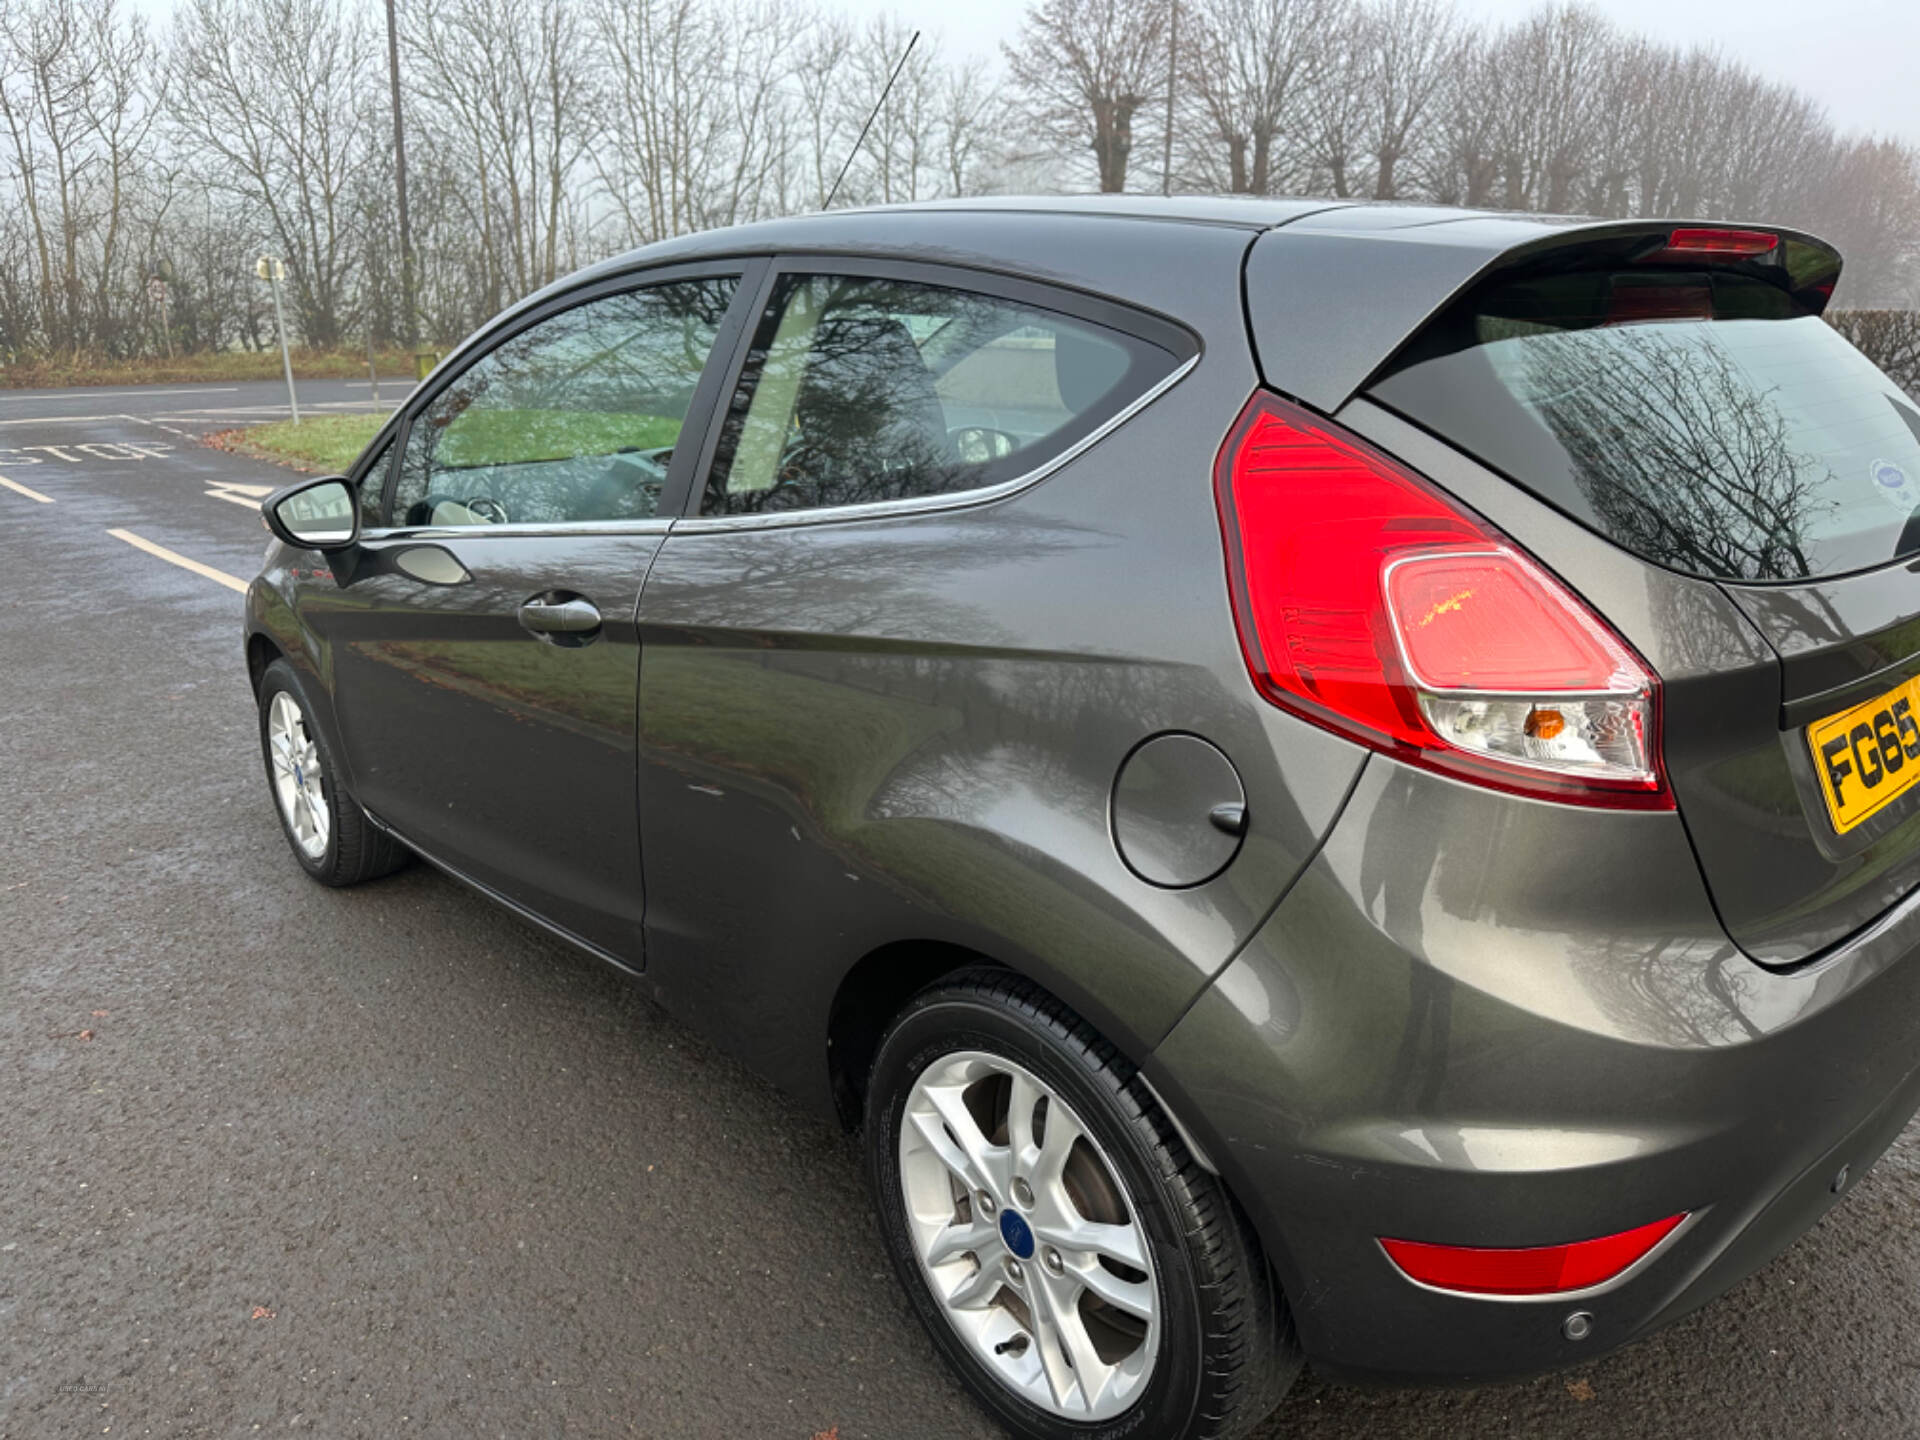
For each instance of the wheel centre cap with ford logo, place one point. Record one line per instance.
(1017, 1234)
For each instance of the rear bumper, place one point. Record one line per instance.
(1478, 1020)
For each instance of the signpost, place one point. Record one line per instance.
(273, 270)
(157, 290)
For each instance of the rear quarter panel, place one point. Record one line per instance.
(863, 733)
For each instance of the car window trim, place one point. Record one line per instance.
(361, 469)
(1142, 325)
(700, 410)
(652, 525)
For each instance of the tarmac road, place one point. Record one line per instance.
(275, 1158)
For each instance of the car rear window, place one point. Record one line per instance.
(1707, 421)
(859, 390)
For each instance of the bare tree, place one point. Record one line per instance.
(899, 158)
(269, 98)
(1247, 69)
(690, 115)
(1466, 162)
(1337, 126)
(1086, 68)
(556, 131)
(1416, 43)
(1865, 201)
(503, 83)
(1889, 338)
(969, 100)
(77, 82)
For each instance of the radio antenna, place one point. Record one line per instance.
(870, 119)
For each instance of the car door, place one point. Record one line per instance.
(485, 652)
(841, 722)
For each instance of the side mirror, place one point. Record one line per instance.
(314, 514)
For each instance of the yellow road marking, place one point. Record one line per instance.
(219, 577)
(20, 489)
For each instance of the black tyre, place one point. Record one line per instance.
(330, 835)
(1082, 1273)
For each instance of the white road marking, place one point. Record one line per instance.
(20, 489)
(219, 577)
(86, 392)
(247, 495)
(97, 450)
(59, 419)
(357, 406)
(143, 420)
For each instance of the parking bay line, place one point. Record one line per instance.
(173, 557)
(18, 488)
(247, 495)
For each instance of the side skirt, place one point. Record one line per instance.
(559, 932)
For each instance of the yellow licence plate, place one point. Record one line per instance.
(1869, 756)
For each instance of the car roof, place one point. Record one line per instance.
(975, 230)
(1244, 212)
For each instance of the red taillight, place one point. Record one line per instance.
(1704, 244)
(1371, 604)
(1536, 1270)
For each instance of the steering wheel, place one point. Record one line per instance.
(977, 443)
(651, 463)
(422, 511)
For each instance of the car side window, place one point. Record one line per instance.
(572, 419)
(857, 390)
(372, 487)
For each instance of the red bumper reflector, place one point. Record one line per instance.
(1538, 1270)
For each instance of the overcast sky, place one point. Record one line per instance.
(1860, 58)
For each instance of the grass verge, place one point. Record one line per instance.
(225, 365)
(493, 437)
(325, 444)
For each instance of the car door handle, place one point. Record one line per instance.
(559, 617)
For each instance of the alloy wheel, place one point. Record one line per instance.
(297, 776)
(1027, 1237)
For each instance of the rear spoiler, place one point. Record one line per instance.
(1333, 296)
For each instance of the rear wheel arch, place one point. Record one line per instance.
(879, 986)
(872, 993)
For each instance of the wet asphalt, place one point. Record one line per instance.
(280, 1159)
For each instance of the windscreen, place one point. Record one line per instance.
(1705, 420)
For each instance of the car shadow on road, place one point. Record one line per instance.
(1822, 1341)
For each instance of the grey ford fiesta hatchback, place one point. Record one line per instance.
(1324, 782)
